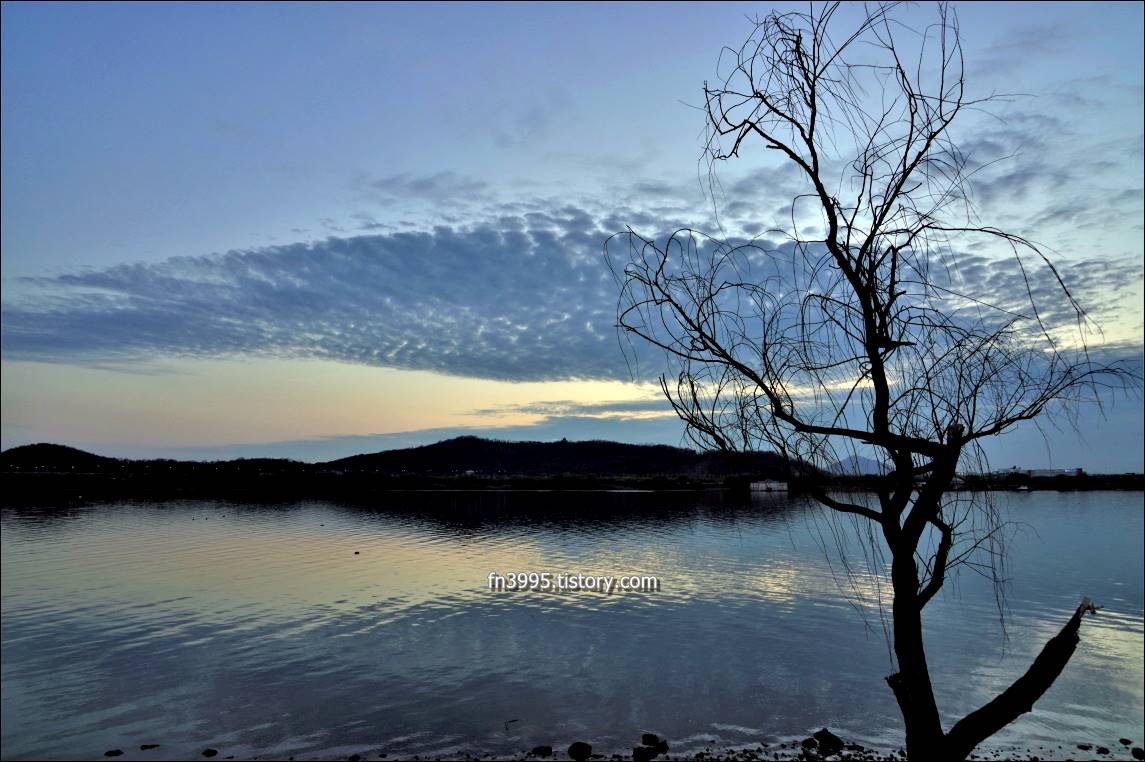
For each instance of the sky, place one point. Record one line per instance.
(311, 230)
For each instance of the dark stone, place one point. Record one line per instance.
(650, 739)
(829, 743)
(1102, 750)
(1085, 746)
(1125, 741)
(113, 753)
(208, 753)
(662, 747)
(1138, 752)
(809, 743)
(541, 751)
(580, 751)
(354, 758)
(148, 746)
(643, 753)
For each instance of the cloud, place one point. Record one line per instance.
(523, 297)
(532, 120)
(518, 289)
(1014, 48)
(622, 409)
(528, 301)
(437, 189)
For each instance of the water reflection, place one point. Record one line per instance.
(321, 629)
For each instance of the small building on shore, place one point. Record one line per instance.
(769, 485)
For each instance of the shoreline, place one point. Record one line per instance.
(820, 745)
(203, 482)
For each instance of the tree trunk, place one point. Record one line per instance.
(925, 738)
(911, 684)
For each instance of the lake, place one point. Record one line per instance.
(322, 629)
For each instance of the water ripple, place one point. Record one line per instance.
(319, 630)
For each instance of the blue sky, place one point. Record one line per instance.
(312, 229)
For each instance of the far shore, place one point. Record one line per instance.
(45, 472)
(201, 481)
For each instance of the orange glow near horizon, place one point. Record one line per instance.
(196, 403)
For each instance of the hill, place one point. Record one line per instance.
(53, 457)
(476, 456)
(463, 456)
(46, 472)
(857, 465)
(61, 459)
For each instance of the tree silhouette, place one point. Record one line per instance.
(855, 333)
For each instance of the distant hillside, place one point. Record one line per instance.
(46, 473)
(455, 457)
(54, 457)
(463, 456)
(857, 465)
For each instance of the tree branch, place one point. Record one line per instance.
(1019, 698)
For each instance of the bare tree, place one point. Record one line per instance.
(855, 332)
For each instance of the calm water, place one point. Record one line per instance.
(256, 630)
